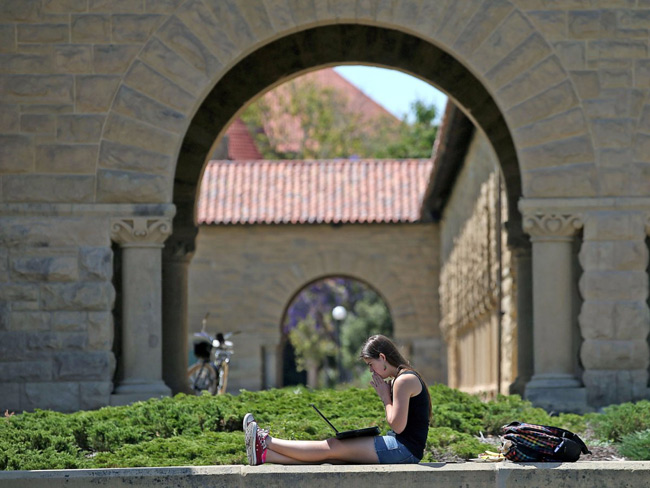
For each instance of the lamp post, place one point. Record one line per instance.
(338, 314)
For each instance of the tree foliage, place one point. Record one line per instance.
(369, 316)
(312, 345)
(415, 139)
(303, 120)
(313, 332)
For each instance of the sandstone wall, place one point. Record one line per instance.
(246, 277)
(56, 298)
(108, 109)
(477, 292)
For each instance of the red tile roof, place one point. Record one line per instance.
(302, 192)
(240, 142)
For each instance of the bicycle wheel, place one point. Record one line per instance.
(202, 377)
(223, 378)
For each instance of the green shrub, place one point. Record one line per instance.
(636, 446)
(616, 421)
(571, 421)
(456, 410)
(206, 449)
(506, 409)
(206, 430)
(441, 440)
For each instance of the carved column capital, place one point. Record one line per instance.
(551, 226)
(141, 231)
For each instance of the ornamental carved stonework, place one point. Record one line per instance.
(141, 231)
(552, 225)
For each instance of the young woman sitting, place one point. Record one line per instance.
(408, 410)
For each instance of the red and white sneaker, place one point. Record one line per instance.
(255, 444)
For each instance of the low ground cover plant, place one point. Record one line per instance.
(206, 430)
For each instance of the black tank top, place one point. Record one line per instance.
(414, 435)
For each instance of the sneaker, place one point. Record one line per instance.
(248, 418)
(255, 444)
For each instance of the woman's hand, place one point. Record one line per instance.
(405, 386)
(382, 388)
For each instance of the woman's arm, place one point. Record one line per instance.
(404, 387)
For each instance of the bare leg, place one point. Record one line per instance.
(277, 458)
(360, 450)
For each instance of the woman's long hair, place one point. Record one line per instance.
(379, 344)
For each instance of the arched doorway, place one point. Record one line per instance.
(299, 52)
(323, 328)
(332, 45)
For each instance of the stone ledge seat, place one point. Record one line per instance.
(582, 474)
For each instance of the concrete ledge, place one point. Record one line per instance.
(586, 474)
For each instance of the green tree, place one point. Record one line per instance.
(415, 139)
(304, 120)
(369, 316)
(312, 346)
(312, 331)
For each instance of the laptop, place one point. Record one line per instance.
(348, 434)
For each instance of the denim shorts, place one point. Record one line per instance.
(391, 451)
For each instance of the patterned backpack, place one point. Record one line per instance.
(535, 443)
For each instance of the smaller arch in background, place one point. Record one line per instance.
(310, 314)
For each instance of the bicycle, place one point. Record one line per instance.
(210, 372)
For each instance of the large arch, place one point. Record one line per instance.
(205, 63)
(331, 45)
(300, 51)
(105, 133)
(480, 79)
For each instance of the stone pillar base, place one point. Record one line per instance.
(128, 393)
(558, 380)
(556, 400)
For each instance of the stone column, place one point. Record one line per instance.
(177, 255)
(520, 248)
(522, 257)
(614, 319)
(554, 385)
(141, 239)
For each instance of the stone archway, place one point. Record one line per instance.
(312, 47)
(339, 44)
(109, 131)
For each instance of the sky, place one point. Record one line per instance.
(392, 89)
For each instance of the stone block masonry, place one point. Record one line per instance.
(614, 319)
(108, 109)
(55, 327)
(246, 277)
(56, 308)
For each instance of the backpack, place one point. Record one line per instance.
(535, 443)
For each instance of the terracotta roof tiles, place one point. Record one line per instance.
(304, 192)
